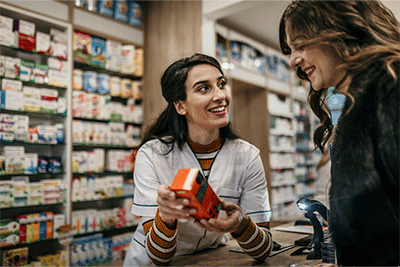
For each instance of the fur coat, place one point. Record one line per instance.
(364, 195)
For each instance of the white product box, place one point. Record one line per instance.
(13, 66)
(99, 154)
(7, 37)
(21, 125)
(42, 42)
(59, 50)
(83, 165)
(76, 189)
(35, 188)
(11, 85)
(128, 59)
(91, 161)
(24, 27)
(31, 99)
(2, 65)
(58, 221)
(13, 100)
(6, 190)
(47, 134)
(20, 186)
(58, 78)
(14, 151)
(56, 64)
(6, 23)
(6, 118)
(58, 35)
(26, 71)
(113, 55)
(31, 163)
(48, 100)
(6, 127)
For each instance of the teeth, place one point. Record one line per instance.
(307, 71)
(217, 109)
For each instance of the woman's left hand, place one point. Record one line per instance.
(233, 222)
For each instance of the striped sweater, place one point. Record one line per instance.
(161, 241)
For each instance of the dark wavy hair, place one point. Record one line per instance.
(170, 127)
(360, 32)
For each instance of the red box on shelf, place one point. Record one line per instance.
(191, 184)
(26, 42)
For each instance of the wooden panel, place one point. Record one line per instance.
(172, 31)
(250, 118)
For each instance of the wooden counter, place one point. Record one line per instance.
(221, 256)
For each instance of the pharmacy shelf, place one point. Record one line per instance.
(22, 143)
(97, 200)
(38, 85)
(39, 114)
(110, 231)
(87, 67)
(101, 173)
(97, 120)
(9, 50)
(105, 146)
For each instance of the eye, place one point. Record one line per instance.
(222, 84)
(203, 88)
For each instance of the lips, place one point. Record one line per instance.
(217, 109)
(309, 71)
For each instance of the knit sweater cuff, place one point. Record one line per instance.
(163, 227)
(247, 233)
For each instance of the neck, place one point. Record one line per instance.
(203, 137)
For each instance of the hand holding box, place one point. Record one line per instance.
(191, 184)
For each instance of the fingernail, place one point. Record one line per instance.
(179, 207)
(193, 211)
(185, 202)
(171, 195)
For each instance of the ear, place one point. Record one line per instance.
(180, 108)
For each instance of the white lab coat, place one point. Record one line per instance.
(237, 175)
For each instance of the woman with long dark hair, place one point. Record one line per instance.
(194, 132)
(354, 46)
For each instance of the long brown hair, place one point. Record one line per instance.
(360, 32)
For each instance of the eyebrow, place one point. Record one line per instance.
(206, 81)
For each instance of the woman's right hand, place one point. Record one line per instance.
(171, 207)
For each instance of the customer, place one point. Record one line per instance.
(194, 132)
(354, 46)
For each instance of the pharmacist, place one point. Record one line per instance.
(194, 132)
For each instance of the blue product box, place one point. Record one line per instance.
(121, 10)
(135, 12)
(43, 162)
(55, 165)
(105, 7)
(99, 51)
(2, 99)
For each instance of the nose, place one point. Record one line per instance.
(218, 94)
(295, 59)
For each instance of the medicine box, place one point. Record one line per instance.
(25, 27)
(7, 37)
(6, 23)
(191, 184)
(105, 7)
(42, 42)
(98, 52)
(113, 55)
(121, 10)
(135, 13)
(31, 99)
(82, 47)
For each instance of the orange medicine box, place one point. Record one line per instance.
(191, 184)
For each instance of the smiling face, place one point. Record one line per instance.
(319, 63)
(206, 107)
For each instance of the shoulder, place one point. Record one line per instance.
(241, 146)
(155, 146)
